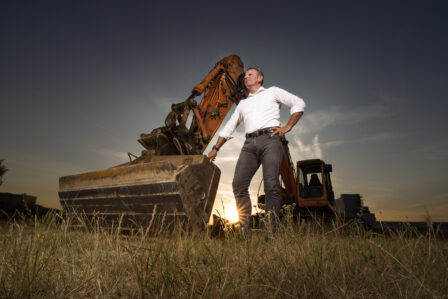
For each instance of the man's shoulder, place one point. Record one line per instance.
(275, 91)
(274, 88)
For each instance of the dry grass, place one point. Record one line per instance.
(48, 258)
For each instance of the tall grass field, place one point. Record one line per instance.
(50, 258)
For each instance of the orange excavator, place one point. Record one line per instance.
(172, 181)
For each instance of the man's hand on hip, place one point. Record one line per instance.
(281, 131)
(291, 123)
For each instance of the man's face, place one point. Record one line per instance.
(252, 78)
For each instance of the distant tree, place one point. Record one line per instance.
(3, 170)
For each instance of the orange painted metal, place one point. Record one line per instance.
(291, 193)
(217, 101)
(287, 174)
(201, 124)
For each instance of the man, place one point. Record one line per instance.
(260, 112)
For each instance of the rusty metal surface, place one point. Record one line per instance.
(179, 188)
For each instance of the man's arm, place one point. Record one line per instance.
(291, 123)
(296, 104)
(225, 133)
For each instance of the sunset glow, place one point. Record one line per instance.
(231, 213)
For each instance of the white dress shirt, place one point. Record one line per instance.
(262, 110)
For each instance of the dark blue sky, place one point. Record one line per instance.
(80, 80)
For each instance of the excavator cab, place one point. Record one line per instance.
(309, 187)
(314, 184)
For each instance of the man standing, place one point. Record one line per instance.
(260, 112)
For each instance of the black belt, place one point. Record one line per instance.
(260, 132)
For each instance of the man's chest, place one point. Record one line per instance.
(259, 105)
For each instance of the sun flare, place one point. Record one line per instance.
(231, 213)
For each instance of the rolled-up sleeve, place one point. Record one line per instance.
(294, 102)
(231, 124)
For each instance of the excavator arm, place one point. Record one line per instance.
(221, 88)
(288, 193)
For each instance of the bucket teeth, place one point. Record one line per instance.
(177, 189)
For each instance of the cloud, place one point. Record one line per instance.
(307, 151)
(228, 159)
(330, 118)
(225, 192)
(164, 104)
(318, 120)
(315, 150)
(379, 137)
(392, 99)
(438, 151)
(382, 136)
(113, 155)
(333, 143)
(228, 155)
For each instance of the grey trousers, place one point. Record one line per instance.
(266, 151)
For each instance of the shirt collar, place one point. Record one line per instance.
(258, 91)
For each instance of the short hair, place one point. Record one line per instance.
(258, 71)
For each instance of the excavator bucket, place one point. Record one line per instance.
(167, 190)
